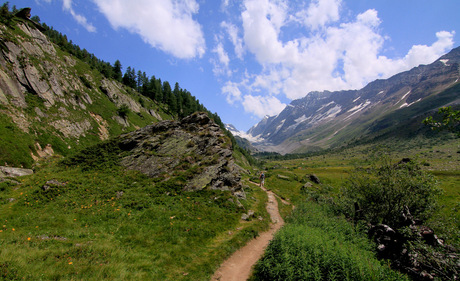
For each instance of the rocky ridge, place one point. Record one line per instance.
(194, 148)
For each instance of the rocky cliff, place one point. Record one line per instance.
(54, 99)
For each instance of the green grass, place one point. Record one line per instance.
(87, 229)
(15, 145)
(442, 159)
(315, 245)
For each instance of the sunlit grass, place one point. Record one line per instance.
(113, 224)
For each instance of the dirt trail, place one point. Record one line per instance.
(238, 266)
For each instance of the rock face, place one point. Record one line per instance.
(49, 93)
(195, 147)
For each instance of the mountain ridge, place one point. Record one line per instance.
(319, 119)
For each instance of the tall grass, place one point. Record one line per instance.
(112, 224)
(315, 245)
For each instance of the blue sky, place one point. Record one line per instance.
(249, 58)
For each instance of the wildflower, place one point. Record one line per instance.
(70, 262)
(28, 238)
(13, 229)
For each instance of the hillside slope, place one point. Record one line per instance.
(327, 119)
(164, 202)
(51, 99)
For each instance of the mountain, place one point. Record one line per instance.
(52, 101)
(327, 119)
(242, 139)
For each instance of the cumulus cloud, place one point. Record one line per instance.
(164, 24)
(67, 6)
(319, 13)
(262, 105)
(330, 54)
(232, 92)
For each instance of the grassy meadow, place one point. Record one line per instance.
(112, 224)
(319, 244)
(105, 223)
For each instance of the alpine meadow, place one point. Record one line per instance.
(108, 173)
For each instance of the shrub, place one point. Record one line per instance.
(103, 155)
(315, 245)
(383, 192)
(123, 111)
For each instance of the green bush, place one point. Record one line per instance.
(103, 155)
(384, 191)
(315, 245)
(123, 111)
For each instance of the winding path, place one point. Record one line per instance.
(238, 267)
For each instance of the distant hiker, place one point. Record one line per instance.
(262, 179)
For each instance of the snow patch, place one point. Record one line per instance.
(249, 137)
(331, 113)
(301, 119)
(404, 96)
(358, 108)
(326, 105)
(381, 92)
(356, 99)
(444, 61)
(407, 105)
(279, 126)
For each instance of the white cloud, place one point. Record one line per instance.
(421, 54)
(67, 6)
(262, 105)
(164, 24)
(223, 56)
(221, 67)
(232, 92)
(262, 21)
(237, 42)
(333, 55)
(319, 13)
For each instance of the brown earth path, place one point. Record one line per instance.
(238, 267)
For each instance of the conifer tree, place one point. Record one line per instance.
(117, 74)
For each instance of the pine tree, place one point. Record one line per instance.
(117, 74)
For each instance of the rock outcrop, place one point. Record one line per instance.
(430, 260)
(194, 147)
(14, 172)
